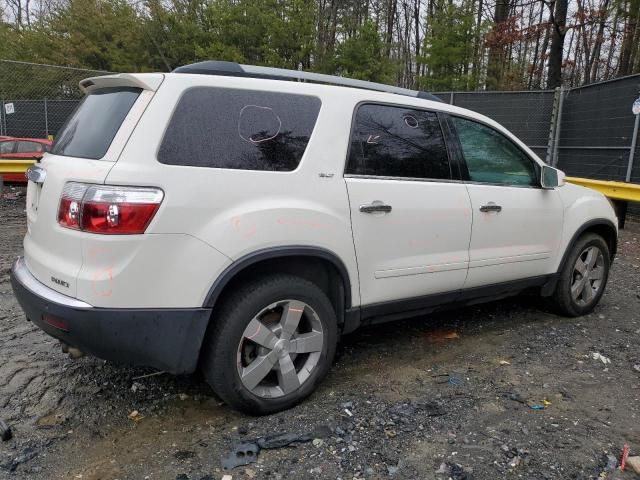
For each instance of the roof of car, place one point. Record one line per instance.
(233, 69)
(26, 139)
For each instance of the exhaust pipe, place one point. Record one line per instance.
(73, 352)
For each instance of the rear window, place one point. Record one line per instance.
(6, 147)
(90, 130)
(239, 129)
(29, 147)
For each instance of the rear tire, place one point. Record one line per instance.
(270, 344)
(584, 276)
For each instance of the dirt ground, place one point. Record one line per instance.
(502, 390)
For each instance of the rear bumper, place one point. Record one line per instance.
(167, 339)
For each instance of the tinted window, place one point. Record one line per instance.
(6, 147)
(29, 147)
(240, 129)
(90, 130)
(397, 142)
(493, 158)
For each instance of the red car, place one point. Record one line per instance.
(24, 148)
(12, 148)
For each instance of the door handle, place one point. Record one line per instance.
(491, 207)
(376, 206)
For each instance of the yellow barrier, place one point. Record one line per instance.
(12, 170)
(614, 190)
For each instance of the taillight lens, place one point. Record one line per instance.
(70, 202)
(108, 209)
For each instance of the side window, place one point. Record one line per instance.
(391, 141)
(239, 129)
(28, 147)
(6, 147)
(493, 158)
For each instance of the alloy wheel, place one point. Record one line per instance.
(588, 273)
(280, 348)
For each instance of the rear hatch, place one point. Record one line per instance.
(85, 150)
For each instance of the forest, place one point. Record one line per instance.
(428, 44)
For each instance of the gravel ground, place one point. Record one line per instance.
(443, 396)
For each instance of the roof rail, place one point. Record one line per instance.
(232, 69)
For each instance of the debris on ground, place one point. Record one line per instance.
(602, 358)
(539, 406)
(135, 416)
(442, 335)
(184, 454)
(148, 375)
(504, 362)
(242, 454)
(634, 464)
(135, 386)
(454, 471)
(612, 463)
(27, 454)
(624, 456)
(247, 452)
(5, 431)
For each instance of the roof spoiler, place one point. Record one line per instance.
(145, 81)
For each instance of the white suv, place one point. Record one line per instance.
(226, 218)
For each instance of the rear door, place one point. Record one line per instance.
(85, 150)
(517, 225)
(410, 216)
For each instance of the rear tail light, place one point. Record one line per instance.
(108, 209)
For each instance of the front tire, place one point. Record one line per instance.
(271, 343)
(583, 277)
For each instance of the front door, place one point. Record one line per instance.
(517, 225)
(411, 218)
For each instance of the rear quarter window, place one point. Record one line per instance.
(91, 128)
(239, 129)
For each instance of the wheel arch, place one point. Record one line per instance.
(319, 265)
(601, 226)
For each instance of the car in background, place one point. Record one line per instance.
(18, 154)
(23, 148)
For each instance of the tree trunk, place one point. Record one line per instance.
(496, 51)
(593, 73)
(536, 51)
(554, 78)
(391, 15)
(627, 41)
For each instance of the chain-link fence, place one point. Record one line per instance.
(37, 99)
(527, 114)
(585, 131)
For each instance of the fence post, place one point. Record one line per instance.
(451, 98)
(552, 127)
(46, 119)
(3, 128)
(558, 126)
(634, 140)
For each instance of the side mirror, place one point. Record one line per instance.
(551, 178)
